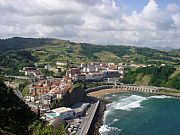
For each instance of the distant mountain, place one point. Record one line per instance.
(162, 48)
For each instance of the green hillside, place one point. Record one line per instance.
(56, 49)
(17, 52)
(18, 43)
(162, 76)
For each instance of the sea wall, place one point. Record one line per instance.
(98, 119)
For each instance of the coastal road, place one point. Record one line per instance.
(17, 77)
(86, 121)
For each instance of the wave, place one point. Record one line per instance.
(160, 96)
(128, 103)
(105, 129)
(115, 120)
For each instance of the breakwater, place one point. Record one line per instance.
(98, 119)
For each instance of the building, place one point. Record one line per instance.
(63, 63)
(94, 77)
(79, 77)
(38, 89)
(73, 71)
(61, 66)
(62, 112)
(13, 85)
(111, 74)
(80, 109)
(90, 68)
(47, 66)
(41, 87)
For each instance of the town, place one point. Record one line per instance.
(46, 92)
(89, 67)
(50, 97)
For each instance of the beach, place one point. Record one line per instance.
(103, 92)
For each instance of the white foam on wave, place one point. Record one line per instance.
(106, 113)
(105, 129)
(160, 96)
(115, 120)
(129, 103)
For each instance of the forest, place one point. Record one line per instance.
(159, 76)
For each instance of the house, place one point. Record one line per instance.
(110, 64)
(47, 66)
(61, 66)
(46, 99)
(41, 87)
(13, 85)
(28, 70)
(72, 71)
(62, 63)
(38, 89)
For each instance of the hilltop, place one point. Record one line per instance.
(51, 50)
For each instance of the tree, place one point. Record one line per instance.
(15, 116)
(41, 128)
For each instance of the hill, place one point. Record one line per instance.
(161, 76)
(18, 52)
(18, 43)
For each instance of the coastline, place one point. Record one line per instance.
(98, 119)
(104, 92)
(99, 116)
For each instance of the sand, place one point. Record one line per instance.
(103, 92)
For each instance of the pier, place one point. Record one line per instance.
(86, 121)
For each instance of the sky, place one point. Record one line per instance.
(140, 23)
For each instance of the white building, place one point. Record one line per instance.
(90, 68)
(64, 113)
(58, 63)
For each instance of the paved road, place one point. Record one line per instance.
(86, 121)
(18, 77)
(18, 93)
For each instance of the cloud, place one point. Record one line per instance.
(100, 21)
(172, 8)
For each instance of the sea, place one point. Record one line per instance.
(141, 114)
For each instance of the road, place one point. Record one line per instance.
(18, 77)
(18, 93)
(86, 121)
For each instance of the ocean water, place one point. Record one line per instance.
(140, 114)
